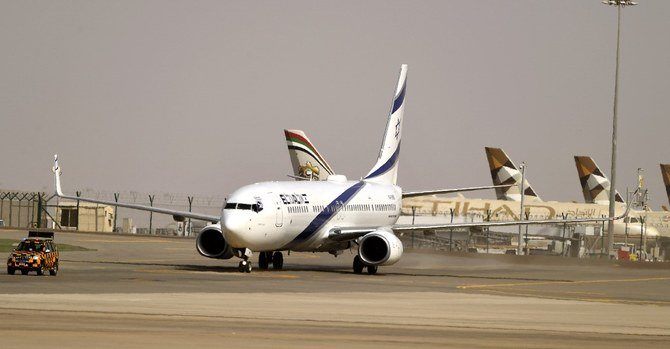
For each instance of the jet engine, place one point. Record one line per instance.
(211, 243)
(379, 247)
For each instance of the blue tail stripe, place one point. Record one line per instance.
(387, 166)
(324, 216)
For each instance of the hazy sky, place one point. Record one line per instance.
(192, 96)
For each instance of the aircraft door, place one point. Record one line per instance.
(279, 215)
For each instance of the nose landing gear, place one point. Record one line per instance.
(245, 266)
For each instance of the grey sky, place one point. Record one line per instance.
(192, 96)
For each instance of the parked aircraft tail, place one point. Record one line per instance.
(306, 160)
(503, 171)
(595, 185)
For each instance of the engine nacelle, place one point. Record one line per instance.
(380, 247)
(211, 243)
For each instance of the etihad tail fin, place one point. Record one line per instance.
(595, 185)
(307, 162)
(504, 172)
(386, 169)
(665, 172)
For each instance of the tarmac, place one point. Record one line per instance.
(145, 292)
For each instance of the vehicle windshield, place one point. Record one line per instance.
(30, 246)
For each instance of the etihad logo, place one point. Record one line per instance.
(494, 210)
(308, 171)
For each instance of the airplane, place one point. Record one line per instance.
(595, 185)
(317, 216)
(503, 171)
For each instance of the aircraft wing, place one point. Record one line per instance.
(347, 234)
(399, 228)
(411, 194)
(178, 215)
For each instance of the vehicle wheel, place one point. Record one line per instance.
(54, 271)
(358, 265)
(372, 269)
(24, 272)
(10, 270)
(247, 269)
(40, 271)
(278, 261)
(263, 261)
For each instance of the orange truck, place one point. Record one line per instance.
(36, 253)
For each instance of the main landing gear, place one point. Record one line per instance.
(359, 265)
(276, 258)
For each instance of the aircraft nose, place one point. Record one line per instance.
(234, 229)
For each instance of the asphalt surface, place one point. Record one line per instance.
(138, 292)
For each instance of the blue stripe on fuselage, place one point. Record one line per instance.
(324, 216)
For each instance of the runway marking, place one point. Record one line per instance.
(255, 275)
(514, 284)
(115, 241)
(584, 299)
(566, 295)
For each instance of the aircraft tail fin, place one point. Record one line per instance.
(306, 160)
(665, 172)
(595, 185)
(386, 169)
(504, 172)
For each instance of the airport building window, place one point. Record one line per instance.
(69, 217)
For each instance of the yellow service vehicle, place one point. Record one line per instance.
(37, 254)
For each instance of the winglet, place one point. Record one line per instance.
(665, 172)
(56, 170)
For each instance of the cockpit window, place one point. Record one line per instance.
(257, 207)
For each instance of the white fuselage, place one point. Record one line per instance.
(300, 215)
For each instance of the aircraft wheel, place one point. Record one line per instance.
(263, 262)
(244, 267)
(358, 265)
(278, 261)
(372, 269)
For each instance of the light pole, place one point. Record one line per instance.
(522, 189)
(610, 226)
